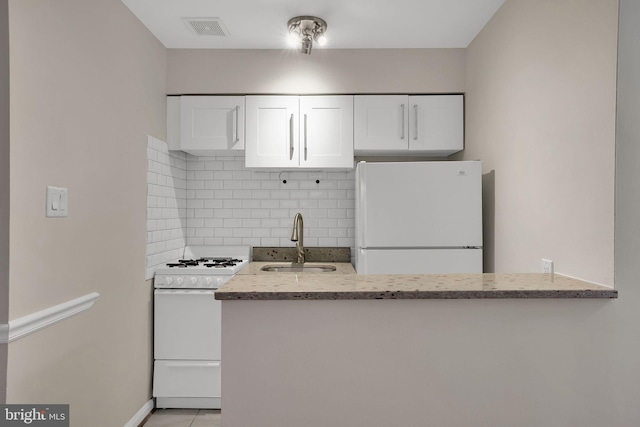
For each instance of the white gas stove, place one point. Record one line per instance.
(202, 267)
(187, 332)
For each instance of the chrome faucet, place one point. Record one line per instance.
(297, 236)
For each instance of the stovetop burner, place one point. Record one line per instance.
(217, 262)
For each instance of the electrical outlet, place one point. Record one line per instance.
(547, 266)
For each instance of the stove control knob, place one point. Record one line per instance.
(194, 280)
(179, 281)
(209, 280)
(168, 280)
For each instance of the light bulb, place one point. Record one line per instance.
(294, 39)
(322, 39)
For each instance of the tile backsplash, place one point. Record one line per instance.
(230, 205)
(166, 204)
(217, 201)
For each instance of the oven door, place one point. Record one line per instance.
(186, 324)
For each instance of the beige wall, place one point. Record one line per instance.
(540, 113)
(4, 186)
(197, 71)
(87, 86)
(535, 363)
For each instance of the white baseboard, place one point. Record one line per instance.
(34, 322)
(140, 415)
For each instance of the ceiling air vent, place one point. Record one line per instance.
(207, 26)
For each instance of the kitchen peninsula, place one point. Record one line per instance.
(342, 349)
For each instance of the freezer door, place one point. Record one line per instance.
(419, 261)
(419, 204)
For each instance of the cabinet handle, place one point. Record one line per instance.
(305, 137)
(415, 109)
(291, 137)
(236, 137)
(402, 122)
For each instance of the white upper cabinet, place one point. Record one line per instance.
(206, 124)
(409, 124)
(272, 131)
(381, 123)
(299, 132)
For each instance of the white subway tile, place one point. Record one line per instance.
(318, 232)
(260, 194)
(195, 222)
(232, 222)
(328, 223)
(195, 203)
(223, 175)
(269, 204)
(279, 213)
(222, 194)
(195, 165)
(214, 222)
(204, 213)
(288, 204)
(327, 241)
(269, 241)
(337, 232)
(204, 232)
(213, 165)
(232, 185)
(270, 185)
(195, 241)
(232, 241)
(224, 213)
(233, 165)
(308, 204)
(251, 185)
(242, 213)
(223, 232)
(205, 194)
(269, 223)
(214, 241)
(242, 232)
(203, 175)
(255, 204)
(213, 203)
(214, 185)
(337, 213)
(241, 194)
(195, 185)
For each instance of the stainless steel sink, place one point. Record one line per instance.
(298, 268)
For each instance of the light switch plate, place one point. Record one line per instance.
(57, 202)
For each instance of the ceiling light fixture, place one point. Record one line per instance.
(306, 29)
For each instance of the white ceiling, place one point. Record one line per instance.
(352, 24)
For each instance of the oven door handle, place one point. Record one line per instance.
(206, 364)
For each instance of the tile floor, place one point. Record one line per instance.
(184, 418)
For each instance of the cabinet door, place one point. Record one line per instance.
(381, 122)
(326, 131)
(272, 131)
(210, 123)
(436, 124)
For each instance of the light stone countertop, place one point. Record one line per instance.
(253, 284)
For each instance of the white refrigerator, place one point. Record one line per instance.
(419, 217)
